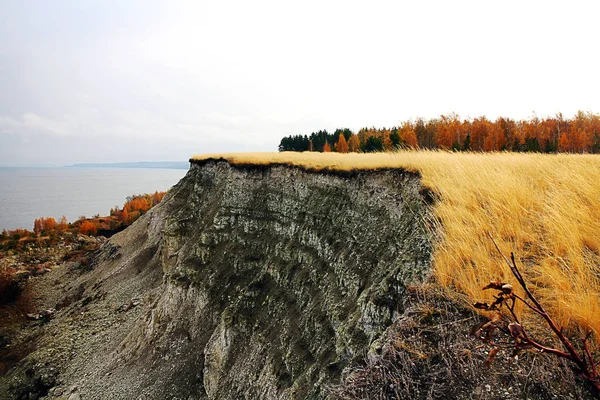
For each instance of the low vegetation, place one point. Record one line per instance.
(426, 354)
(543, 207)
(520, 340)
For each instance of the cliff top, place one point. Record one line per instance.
(312, 161)
(432, 164)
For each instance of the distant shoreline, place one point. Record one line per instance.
(139, 164)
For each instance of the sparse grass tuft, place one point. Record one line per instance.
(544, 208)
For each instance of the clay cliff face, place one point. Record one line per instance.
(253, 282)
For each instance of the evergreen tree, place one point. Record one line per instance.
(395, 138)
(345, 131)
(532, 145)
(373, 144)
(467, 144)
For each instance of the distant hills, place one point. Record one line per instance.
(139, 164)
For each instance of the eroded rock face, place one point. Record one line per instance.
(274, 279)
(277, 278)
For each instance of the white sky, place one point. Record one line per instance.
(107, 81)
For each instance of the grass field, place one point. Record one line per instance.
(544, 208)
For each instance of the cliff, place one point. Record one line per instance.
(249, 282)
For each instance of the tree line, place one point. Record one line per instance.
(580, 134)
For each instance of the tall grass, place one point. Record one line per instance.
(544, 208)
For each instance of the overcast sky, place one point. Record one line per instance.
(108, 81)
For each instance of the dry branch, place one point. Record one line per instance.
(585, 365)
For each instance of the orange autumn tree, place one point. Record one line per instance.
(354, 143)
(509, 130)
(44, 225)
(157, 197)
(495, 139)
(408, 135)
(582, 133)
(48, 224)
(479, 131)
(326, 148)
(126, 217)
(63, 225)
(139, 203)
(88, 228)
(37, 226)
(341, 146)
(448, 131)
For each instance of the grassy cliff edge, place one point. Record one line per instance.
(544, 208)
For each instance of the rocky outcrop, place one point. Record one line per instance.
(255, 282)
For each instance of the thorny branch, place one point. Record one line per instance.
(584, 363)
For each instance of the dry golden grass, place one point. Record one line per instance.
(544, 208)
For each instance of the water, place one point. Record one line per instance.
(30, 193)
